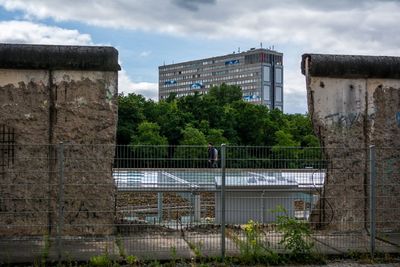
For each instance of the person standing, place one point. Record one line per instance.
(212, 156)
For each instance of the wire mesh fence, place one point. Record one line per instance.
(72, 202)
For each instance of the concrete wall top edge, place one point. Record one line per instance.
(351, 66)
(58, 57)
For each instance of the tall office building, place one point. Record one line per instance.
(259, 72)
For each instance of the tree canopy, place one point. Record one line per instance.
(221, 116)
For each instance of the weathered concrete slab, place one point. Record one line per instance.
(31, 250)
(209, 245)
(20, 250)
(52, 94)
(274, 239)
(353, 102)
(353, 242)
(82, 249)
(392, 238)
(157, 246)
(160, 246)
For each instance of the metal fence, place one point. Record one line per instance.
(72, 202)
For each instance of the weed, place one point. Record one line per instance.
(253, 249)
(353, 254)
(44, 253)
(173, 256)
(155, 263)
(100, 261)
(196, 248)
(296, 235)
(132, 260)
(120, 245)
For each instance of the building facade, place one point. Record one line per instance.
(258, 72)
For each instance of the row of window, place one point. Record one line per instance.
(263, 58)
(254, 97)
(230, 77)
(247, 89)
(225, 69)
(227, 79)
(225, 61)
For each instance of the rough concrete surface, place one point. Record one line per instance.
(352, 108)
(76, 105)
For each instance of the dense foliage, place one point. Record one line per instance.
(221, 116)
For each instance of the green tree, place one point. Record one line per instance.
(221, 116)
(148, 133)
(286, 150)
(192, 152)
(130, 114)
(192, 136)
(285, 139)
(250, 122)
(172, 120)
(216, 137)
(225, 94)
(148, 145)
(311, 153)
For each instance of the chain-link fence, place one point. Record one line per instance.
(72, 202)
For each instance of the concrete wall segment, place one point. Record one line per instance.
(67, 95)
(354, 102)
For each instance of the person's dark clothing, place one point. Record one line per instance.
(212, 157)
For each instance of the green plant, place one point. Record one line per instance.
(296, 234)
(68, 261)
(132, 260)
(155, 263)
(254, 248)
(196, 248)
(173, 256)
(100, 261)
(120, 245)
(44, 253)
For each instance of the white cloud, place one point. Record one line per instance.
(145, 53)
(341, 26)
(336, 27)
(25, 32)
(33, 33)
(126, 86)
(295, 102)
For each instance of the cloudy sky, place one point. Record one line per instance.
(150, 33)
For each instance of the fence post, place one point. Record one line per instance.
(160, 197)
(60, 157)
(223, 166)
(372, 197)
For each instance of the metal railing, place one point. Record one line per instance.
(72, 202)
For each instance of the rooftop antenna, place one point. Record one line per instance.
(239, 49)
(272, 47)
(261, 44)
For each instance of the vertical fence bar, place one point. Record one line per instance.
(60, 201)
(160, 197)
(223, 164)
(372, 197)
